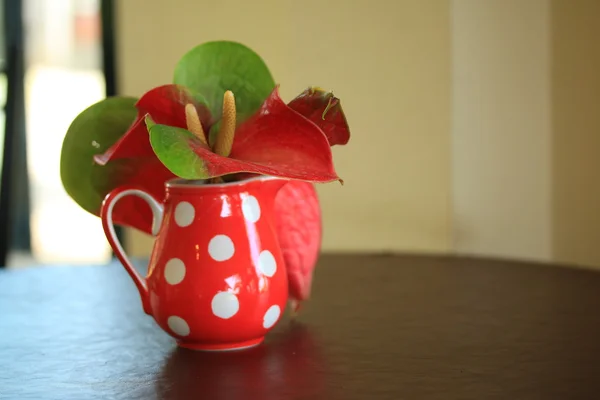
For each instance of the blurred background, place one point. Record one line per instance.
(475, 123)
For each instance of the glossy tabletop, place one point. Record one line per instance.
(378, 327)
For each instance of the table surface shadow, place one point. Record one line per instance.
(377, 327)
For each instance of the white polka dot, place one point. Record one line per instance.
(221, 248)
(184, 214)
(251, 209)
(271, 316)
(178, 326)
(174, 271)
(225, 305)
(266, 263)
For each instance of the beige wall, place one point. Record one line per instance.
(480, 117)
(388, 61)
(501, 132)
(576, 130)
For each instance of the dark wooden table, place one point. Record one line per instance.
(378, 327)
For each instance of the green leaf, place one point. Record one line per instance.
(213, 68)
(172, 147)
(92, 132)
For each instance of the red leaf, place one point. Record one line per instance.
(145, 174)
(325, 111)
(274, 141)
(134, 143)
(298, 225)
(166, 104)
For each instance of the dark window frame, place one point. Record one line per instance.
(14, 184)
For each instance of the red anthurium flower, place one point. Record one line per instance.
(167, 106)
(325, 110)
(274, 141)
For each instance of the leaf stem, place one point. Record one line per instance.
(332, 102)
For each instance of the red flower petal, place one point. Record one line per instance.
(145, 174)
(298, 225)
(325, 110)
(279, 141)
(166, 104)
(134, 143)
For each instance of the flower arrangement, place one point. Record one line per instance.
(220, 120)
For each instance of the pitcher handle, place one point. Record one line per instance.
(106, 213)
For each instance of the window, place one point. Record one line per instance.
(63, 74)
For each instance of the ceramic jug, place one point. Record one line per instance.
(216, 278)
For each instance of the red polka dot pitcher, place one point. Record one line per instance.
(216, 279)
